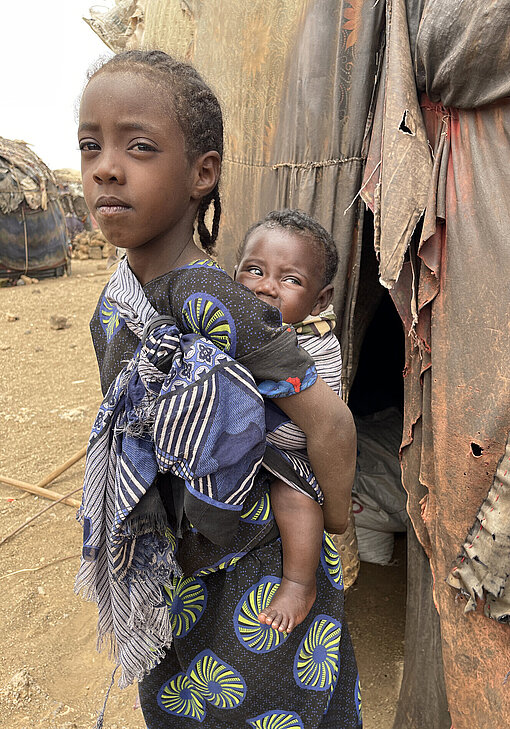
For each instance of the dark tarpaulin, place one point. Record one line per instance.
(33, 241)
(396, 187)
(463, 51)
(452, 294)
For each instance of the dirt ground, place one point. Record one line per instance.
(51, 676)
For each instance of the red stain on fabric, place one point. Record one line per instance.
(295, 382)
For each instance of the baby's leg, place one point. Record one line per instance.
(301, 525)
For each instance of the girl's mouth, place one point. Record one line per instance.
(107, 210)
(107, 206)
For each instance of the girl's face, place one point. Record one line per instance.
(137, 180)
(280, 267)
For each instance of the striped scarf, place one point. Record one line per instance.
(180, 405)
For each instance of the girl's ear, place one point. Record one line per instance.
(323, 300)
(207, 173)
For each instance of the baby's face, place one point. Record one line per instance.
(283, 269)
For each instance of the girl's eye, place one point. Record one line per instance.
(89, 146)
(293, 280)
(255, 270)
(143, 147)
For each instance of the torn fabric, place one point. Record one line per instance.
(483, 567)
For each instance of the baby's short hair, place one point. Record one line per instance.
(307, 228)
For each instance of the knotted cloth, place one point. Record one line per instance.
(180, 405)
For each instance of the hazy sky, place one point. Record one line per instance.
(45, 52)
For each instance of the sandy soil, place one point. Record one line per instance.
(51, 676)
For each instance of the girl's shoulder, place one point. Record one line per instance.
(204, 288)
(205, 274)
(203, 298)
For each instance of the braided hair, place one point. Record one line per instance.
(308, 229)
(197, 112)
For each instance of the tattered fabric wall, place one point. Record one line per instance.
(295, 79)
(452, 293)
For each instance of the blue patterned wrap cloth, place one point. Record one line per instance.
(180, 405)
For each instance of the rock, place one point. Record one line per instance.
(73, 414)
(96, 252)
(11, 317)
(20, 688)
(109, 251)
(97, 238)
(58, 322)
(28, 280)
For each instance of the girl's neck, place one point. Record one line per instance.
(146, 268)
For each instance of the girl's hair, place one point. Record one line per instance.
(307, 228)
(197, 112)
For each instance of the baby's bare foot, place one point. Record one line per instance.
(290, 605)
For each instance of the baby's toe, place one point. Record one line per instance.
(286, 624)
(277, 622)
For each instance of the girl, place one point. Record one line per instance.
(178, 531)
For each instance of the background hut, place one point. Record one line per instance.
(33, 236)
(73, 203)
(86, 240)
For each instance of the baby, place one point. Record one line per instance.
(289, 260)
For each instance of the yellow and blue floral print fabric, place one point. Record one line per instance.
(226, 669)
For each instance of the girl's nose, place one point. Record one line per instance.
(108, 169)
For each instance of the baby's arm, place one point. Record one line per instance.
(331, 444)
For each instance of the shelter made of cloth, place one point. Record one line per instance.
(33, 236)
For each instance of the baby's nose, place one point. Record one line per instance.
(267, 286)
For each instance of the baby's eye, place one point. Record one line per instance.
(255, 270)
(293, 280)
(88, 145)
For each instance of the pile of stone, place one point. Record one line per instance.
(91, 244)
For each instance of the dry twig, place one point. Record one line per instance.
(50, 506)
(41, 567)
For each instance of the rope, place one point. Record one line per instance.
(298, 165)
(100, 718)
(24, 223)
(362, 187)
